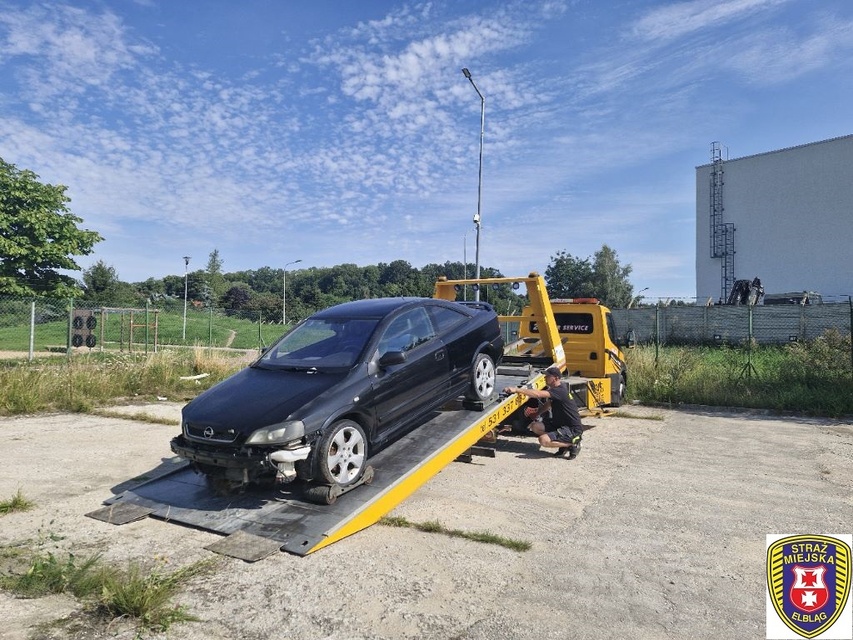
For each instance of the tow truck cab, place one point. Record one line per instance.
(589, 338)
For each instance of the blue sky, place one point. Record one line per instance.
(345, 132)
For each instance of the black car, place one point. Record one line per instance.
(337, 388)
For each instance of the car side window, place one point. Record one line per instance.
(445, 319)
(409, 330)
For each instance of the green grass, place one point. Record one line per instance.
(84, 382)
(146, 595)
(136, 416)
(203, 327)
(813, 377)
(433, 526)
(138, 592)
(16, 503)
(47, 573)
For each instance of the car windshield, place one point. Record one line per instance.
(319, 343)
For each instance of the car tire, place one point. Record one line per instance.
(340, 455)
(483, 379)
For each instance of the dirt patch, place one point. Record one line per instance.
(656, 531)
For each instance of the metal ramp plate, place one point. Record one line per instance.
(282, 515)
(244, 546)
(120, 513)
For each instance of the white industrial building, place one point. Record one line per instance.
(785, 217)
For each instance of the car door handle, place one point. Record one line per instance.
(439, 355)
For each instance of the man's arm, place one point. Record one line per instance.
(530, 393)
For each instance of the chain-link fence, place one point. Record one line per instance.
(48, 325)
(776, 324)
(45, 325)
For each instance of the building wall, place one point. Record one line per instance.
(793, 216)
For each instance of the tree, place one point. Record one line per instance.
(217, 285)
(38, 236)
(214, 263)
(610, 279)
(603, 278)
(238, 296)
(102, 285)
(99, 278)
(569, 277)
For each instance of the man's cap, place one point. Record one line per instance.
(553, 371)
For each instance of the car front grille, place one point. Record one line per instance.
(209, 433)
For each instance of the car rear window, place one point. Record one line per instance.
(445, 319)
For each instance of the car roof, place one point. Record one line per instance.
(372, 307)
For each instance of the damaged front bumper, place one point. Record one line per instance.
(246, 464)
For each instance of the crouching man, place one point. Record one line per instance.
(557, 422)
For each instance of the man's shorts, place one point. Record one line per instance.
(562, 434)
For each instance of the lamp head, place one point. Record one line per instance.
(466, 73)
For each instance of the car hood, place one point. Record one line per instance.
(255, 398)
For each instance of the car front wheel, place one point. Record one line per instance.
(483, 377)
(341, 454)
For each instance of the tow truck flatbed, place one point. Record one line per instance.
(288, 521)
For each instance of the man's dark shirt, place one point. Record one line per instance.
(564, 411)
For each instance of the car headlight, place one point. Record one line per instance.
(278, 434)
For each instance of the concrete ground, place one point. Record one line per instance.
(657, 530)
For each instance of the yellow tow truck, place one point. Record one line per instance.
(595, 363)
(576, 334)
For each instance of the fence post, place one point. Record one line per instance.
(147, 305)
(210, 329)
(32, 329)
(657, 332)
(850, 333)
(70, 325)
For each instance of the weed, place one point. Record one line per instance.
(433, 526)
(16, 503)
(810, 377)
(49, 574)
(146, 595)
(134, 592)
(81, 383)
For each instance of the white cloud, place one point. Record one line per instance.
(672, 21)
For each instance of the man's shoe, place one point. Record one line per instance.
(561, 452)
(574, 450)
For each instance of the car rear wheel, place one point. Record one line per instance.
(483, 378)
(341, 454)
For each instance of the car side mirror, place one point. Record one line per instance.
(392, 358)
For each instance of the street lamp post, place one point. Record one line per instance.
(284, 293)
(637, 297)
(465, 265)
(477, 217)
(186, 271)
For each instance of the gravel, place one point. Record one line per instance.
(657, 530)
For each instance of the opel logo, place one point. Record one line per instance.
(208, 432)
